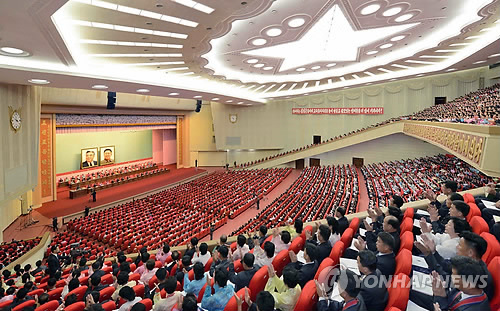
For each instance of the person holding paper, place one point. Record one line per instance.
(349, 291)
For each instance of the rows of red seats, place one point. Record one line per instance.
(411, 178)
(316, 192)
(177, 214)
(11, 251)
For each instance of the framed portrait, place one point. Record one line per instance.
(89, 158)
(107, 155)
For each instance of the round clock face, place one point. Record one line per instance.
(15, 121)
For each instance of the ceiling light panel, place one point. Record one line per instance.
(195, 5)
(130, 29)
(124, 43)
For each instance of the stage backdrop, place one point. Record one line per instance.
(129, 146)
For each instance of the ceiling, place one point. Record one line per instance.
(242, 52)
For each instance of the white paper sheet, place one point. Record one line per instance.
(489, 205)
(423, 212)
(419, 262)
(422, 283)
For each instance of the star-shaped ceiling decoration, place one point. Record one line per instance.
(331, 39)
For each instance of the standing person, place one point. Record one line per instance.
(53, 264)
(93, 193)
(54, 224)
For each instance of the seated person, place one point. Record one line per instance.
(386, 260)
(194, 286)
(149, 271)
(242, 279)
(281, 241)
(333, 224)
(241, 247)
(375, 297)
(220, 259)
(163, 253)
(286, 292)
(348, 289)
(121, 281)
(128, 294)
(458, 209)
(202, 254)
(167, 303)
(95, 285)
(264, 257)
(446, 243)
(223, 291)
(191, 247)
(263, 302)
(341, 219)
(307, 271)
(323, 244)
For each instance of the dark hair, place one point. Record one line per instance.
(199, 270)
(21, 293)
(73, 283)
(122, 258)
(44, 298)
(396, 212)
(166, 248)
(467, 267)
(221, 276)
(51, 282)
(150, 264)
(194, 241)
(189, 303)
(263, 230)
(38, 263)
(387, 239)
(299, 225)
(69, 300)
(241, 240)
(122, 278)
(27, 268)
(203, 248)
(127, 293)
(125, 266)
(6, 274)
(341, 211)
(456, 197)
(95, 280)
(269, 248)
(223, 238)
(285, 236)
(351, 286)
(368, 259)
(476, 242)
(394, 222)
(95, 307)
(325, 232)
(290, 277)
(10, 291)
(186, 261)
(53, 248)
(170, 284)
(161, 274)
(107, 149)
(460, 225)
(96, 265)
(223, 251)
(138, 307)
(25, 278)
(96, 295)
(311, 250)
(398, 201)
(462, 207)
(333, 224)
(248, 259)
(175, 255)
(83, 262)
(450, 184)
(145, 257)
(265, 301)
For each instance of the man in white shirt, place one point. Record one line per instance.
(128, 294)
(263, 257)
(202, 255)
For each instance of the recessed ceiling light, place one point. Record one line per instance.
(215, 98)
(229, 101)
(451, 69)
(239, 103)
(404, 17)
(267, 68)
(173, 94)
(331, 65)
(259, 41)
(479, 62)
(296, 22)
(370, 9)
(252, 61)
(300, 69)
(392, 11)
(398, 38)
(38, 81)
(99, 87)
(494, 55)
(197, 96)
(142, 91)
(306, 94)
(315, 67)
(393, 80)
(419, 75)
(371, 52)
(274, 32)
(10, 51)
(386, 46)
(258, 65)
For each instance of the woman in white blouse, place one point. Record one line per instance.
(446, 243)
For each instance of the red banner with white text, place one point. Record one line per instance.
(349, 110)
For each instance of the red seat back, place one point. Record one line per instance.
(107, 279)
(108, 306)
(55, 294)
(208, 264)
(479, 225)
(106, 293)
(200, 294)
(238, 267)
(134, 277)
(280, 261)
(77, 306)
(308, 298)
(297, 245)
(49, 306)
(303, 234)
(258, 282)
(494, 268)
(473, 212)
(403, 262)
(337, 251)
(406, 225)
(327, 262)
(153, 281)
(407, 241)
(232, 305)
(139, 290)
(346, 237)
(409, 212)
(36, 292)
(399, 292)
(354, 224)
(79, 292)
(493, 248)
(147, 303)
(25, 304)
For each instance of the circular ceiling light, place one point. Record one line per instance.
(315, 67)
(398, 38)
(10, 51)
(386, 46)
(252, 61)
(258, 65)
(142, 91)
(173, 94)
(296, 22)
(267, 68)
(274, 32)
(300, 69)
(370, 9)
(331, 65)
(259, 41)
(99, 87)
(215, 98)
(404, 17)
(371, 52)
(38, 81)
(197, 96)
(392, 11)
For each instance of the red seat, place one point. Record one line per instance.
(297, 245)
(154, 280)
(406, 241)
(36, 292)
(409, 212)
(493, 248)
(399, 292)
(337, 251)
(139, 290)
(231, 304)
(79, 292)
(258, 282)
(346, 237)
(200, 294)
(147, 303)
(134, 277)
(5, 304)
(406, 225)
(107, 279)
(49, 306)
(327, 262)
(280, 261)
(83, 280)
(25, 304)
(233, 247)
(303, 234)
(77, 306)
(106, 293)
(403, 262)
(494, 268)
(55, 294)
(354, 224)
(108, 306)
(207, 265)
(238, 267)
(308, 298)
(473, 212)
(479, 225)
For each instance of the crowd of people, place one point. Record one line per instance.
(410, 178)
(480, 107)
(10, 251)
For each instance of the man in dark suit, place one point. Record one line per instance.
(323, 244)
(348, 289)
(386, 262)
(374, 296)
(89, 159)
(243, 278)
(308, 270)
(53, 264)
(220, 259)
(342, 220)
(390, 225)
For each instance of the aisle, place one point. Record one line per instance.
(364, 200)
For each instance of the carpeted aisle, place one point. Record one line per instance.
(363, 193)
(65, 206)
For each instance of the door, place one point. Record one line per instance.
(316, 139)
(314, 162)
(358, 162)
(299, 164)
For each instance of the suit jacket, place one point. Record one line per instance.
(242, 279)
(374, 296)
(53, 264)
(371, 240)
(343, 224)
(220, 263)
(332, 305)
(323, 250)
(306, 271)
(86, 164)
(386, 264)
(453, 300)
